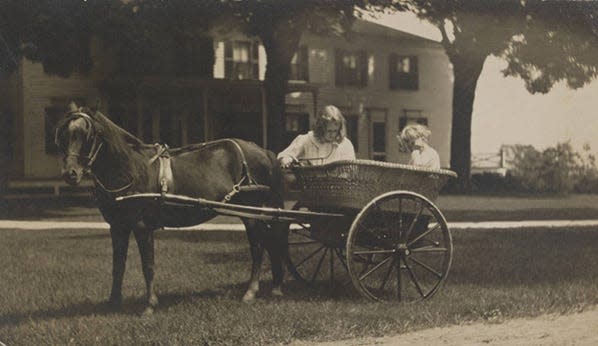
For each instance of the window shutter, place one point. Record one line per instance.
(304, 63)
(228, 50)
(392, 71)
(414, 73)
(338, 66)
(363, 61)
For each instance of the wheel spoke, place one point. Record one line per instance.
(413, 222)
(426, 267)
(341, 258)
(309, 256)
(414, 279)
(428, 231)
(387, 274)
(313, 278)
(303, 243)
(428, 249)
(375, 268)
(398, 273)
(372, 252)
(331, 266)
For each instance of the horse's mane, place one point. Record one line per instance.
(123, 144)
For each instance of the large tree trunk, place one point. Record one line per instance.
(467, 70)
(280, 45)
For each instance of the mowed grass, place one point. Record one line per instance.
(54, 285)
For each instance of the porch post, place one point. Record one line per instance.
(206, 122)
(264, 117)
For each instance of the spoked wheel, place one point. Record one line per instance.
(399, 248)
(314, 260)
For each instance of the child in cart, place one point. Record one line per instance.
(415, 138)
(327, 143)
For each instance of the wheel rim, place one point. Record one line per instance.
(399, 248)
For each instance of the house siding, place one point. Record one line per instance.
(38, 90)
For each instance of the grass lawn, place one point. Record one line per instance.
(54, 285)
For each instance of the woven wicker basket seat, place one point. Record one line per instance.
(352, 184)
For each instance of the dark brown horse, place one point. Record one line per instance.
(121, 164)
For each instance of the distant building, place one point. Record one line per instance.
(381, 79)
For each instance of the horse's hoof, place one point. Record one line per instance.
(277, 292)
(249, 297)
(153, 301)
(148, 311)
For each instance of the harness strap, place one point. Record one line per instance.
(246, 176)
(165, 176)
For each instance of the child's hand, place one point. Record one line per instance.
(286, 161)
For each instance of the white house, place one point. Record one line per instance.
(380, 78)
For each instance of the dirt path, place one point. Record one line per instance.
(574, 329)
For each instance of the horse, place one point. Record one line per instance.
(121, 164)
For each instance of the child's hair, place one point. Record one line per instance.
(330, 114)
(410, 133)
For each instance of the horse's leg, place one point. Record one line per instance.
(145, 243)
(120, 245)
(257, 254)
(277, 249)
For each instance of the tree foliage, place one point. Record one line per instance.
(544, 42)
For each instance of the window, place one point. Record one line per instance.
(300, 65)
(403, 72)
(54, 113)
(294, 125)
(241, 60)
(353, 130)
(378, 141)
(412, 116)
(351, 68)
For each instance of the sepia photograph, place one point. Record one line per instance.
(298, 172)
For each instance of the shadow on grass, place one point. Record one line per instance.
(186, 236)
(130, 306)
(524, 257)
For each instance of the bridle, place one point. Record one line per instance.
(94, 150)
(92, 134)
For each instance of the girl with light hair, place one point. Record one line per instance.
(327, 142)
(415, 138)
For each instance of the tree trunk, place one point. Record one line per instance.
(280, 45)
(466, 71)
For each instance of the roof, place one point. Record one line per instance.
(363, 26)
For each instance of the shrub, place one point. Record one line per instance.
(557, 169)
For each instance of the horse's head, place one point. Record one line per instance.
(78, 139)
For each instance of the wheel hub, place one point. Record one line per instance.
(403, 249)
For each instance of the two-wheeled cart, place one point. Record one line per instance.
(370, 223)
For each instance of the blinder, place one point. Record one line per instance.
(91, 136)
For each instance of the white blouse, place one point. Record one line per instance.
(428, 157)
(308, 147)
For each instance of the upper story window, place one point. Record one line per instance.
(351, 68)
(403, 72)
(241, 60)
(300, 65)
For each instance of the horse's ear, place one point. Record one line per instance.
(72, 107)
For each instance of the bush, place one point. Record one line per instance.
(557, 169)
